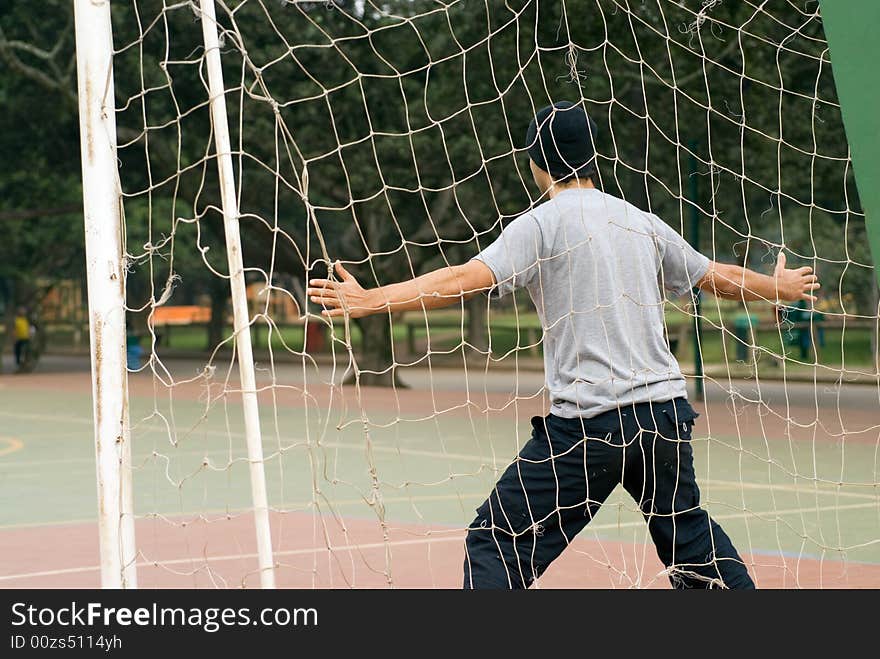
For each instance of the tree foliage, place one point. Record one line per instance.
(390, 135)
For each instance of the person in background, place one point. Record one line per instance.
(22, 336)
(810, 329)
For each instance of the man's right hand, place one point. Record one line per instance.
(342, 296)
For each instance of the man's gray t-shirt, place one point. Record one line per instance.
(595, 266)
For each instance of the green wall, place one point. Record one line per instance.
(852, 28)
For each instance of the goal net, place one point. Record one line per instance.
(261, 141)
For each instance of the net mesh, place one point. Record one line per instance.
(389, 136)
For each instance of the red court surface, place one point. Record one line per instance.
(175, 556)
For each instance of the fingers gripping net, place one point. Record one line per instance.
(389, 136)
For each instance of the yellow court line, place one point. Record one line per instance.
(13, 445)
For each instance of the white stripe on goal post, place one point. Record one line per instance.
(105, 273)
(240, 312)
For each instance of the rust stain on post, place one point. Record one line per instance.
(90, 139)
(124, 416)
(99, 358)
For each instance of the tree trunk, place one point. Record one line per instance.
(635, 151)
(217, 325)
(477, 329)
(375, 354)
(8, 289)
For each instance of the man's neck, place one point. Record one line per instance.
(586, 184)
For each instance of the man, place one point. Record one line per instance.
(596, 268)
(22, 338)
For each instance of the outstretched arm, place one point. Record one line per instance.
(440, 288)
(735, 283)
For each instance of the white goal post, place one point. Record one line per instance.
(102, 201)
(106, 283)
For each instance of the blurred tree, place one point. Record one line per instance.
(390, 136)
(40, 202)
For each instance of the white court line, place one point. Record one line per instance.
(815, 488)
(706, 483)
(280, 508)
(825, 489)
(303, 506)
(394, 543)
(236, 557)
(302, 444)
(751, 513)
(268, 445)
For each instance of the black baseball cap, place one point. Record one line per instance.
(561, 140)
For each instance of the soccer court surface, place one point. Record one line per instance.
(376, 488)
